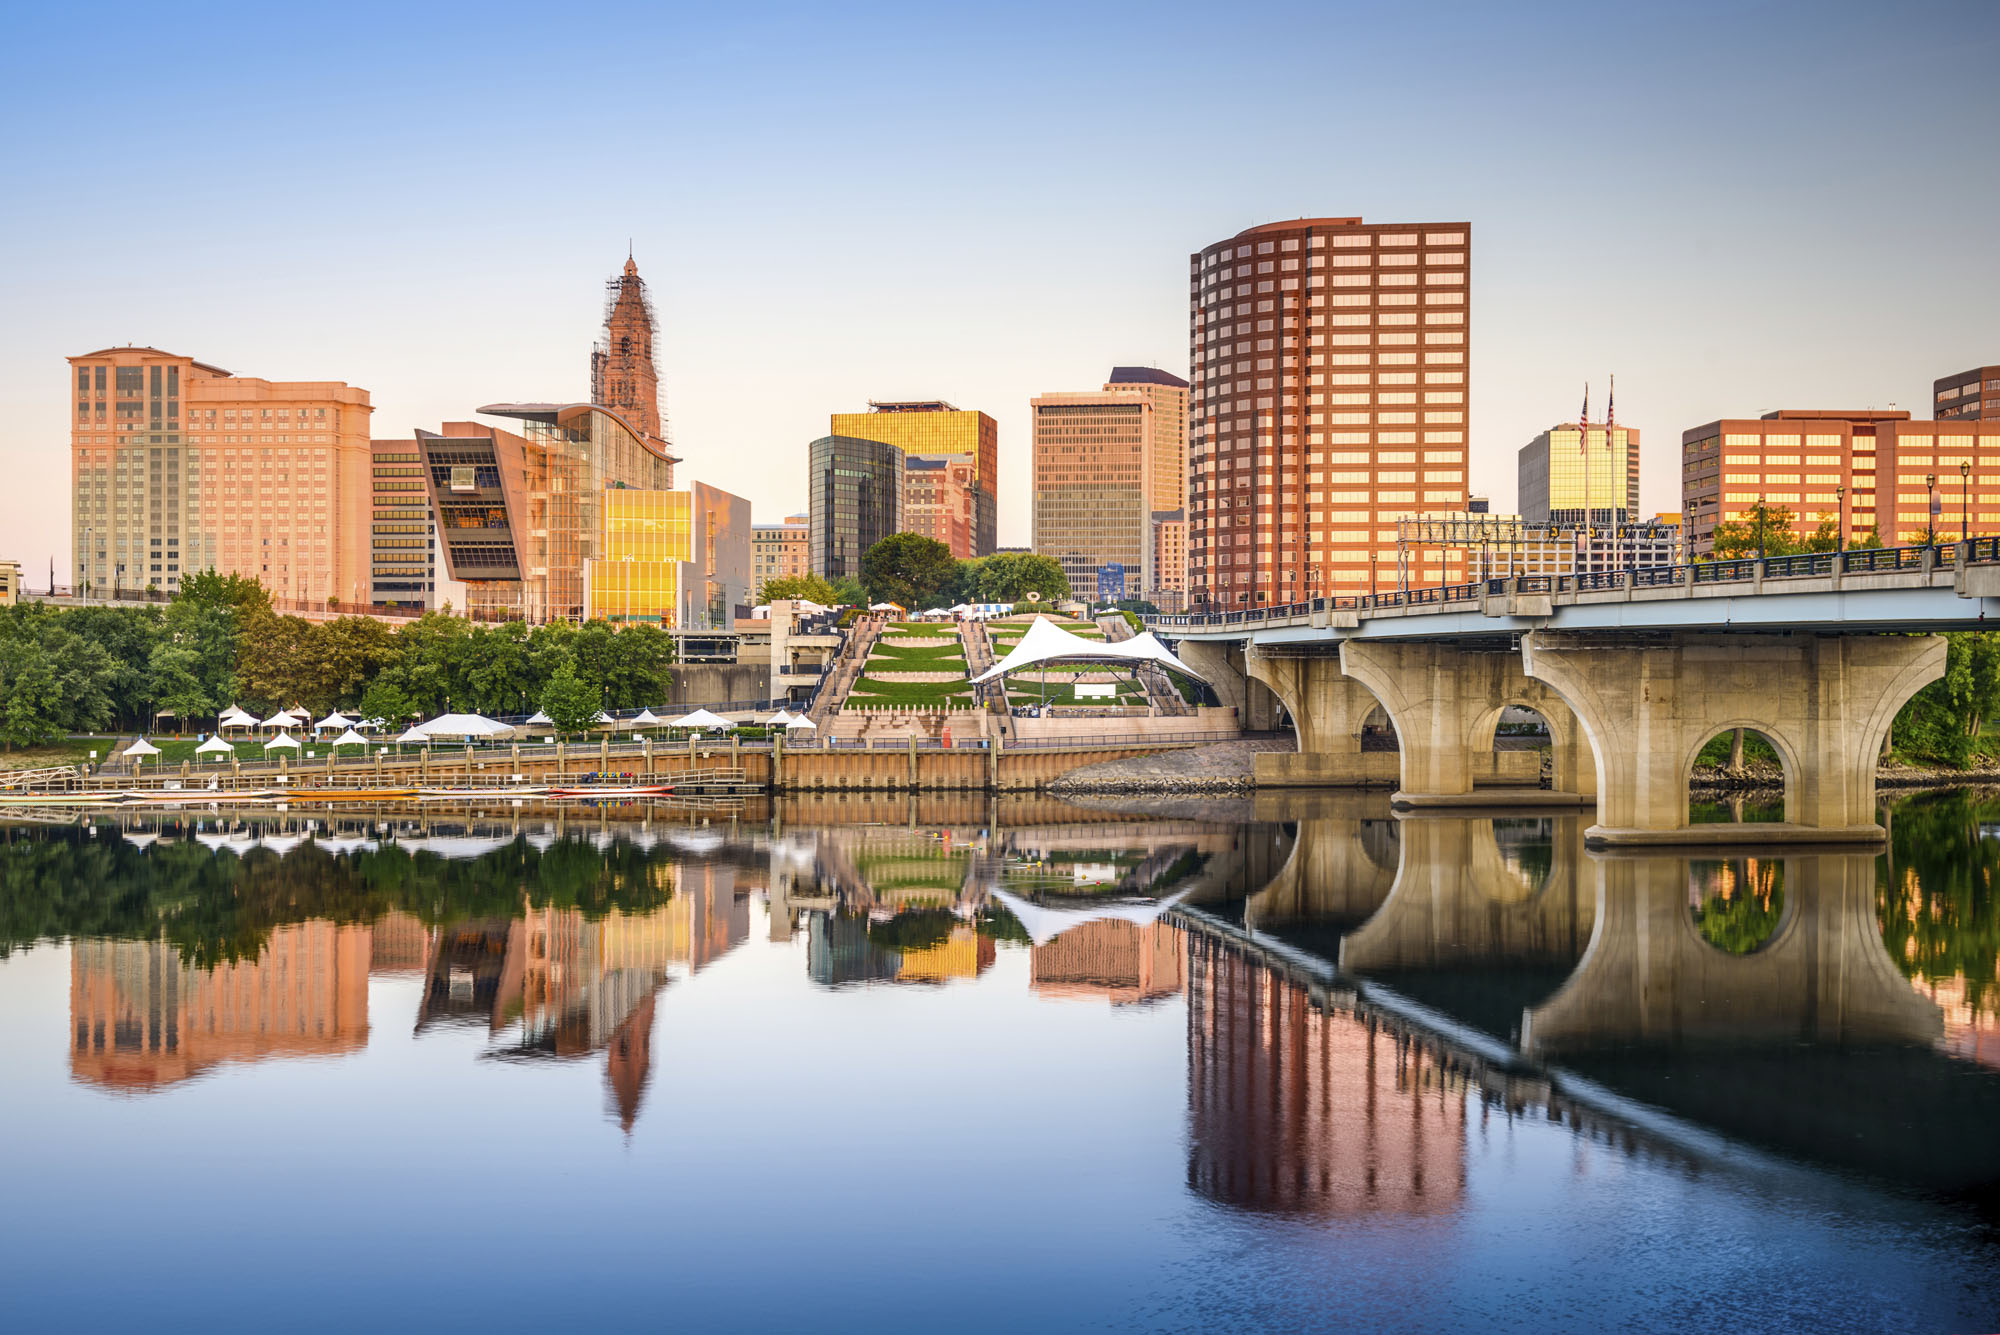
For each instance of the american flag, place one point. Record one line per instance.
(1583, 422)
(1610, 410)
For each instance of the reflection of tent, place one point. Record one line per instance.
(141, 747)
(702, 718)
(1046, 642)
(283, 739)
(215, 746)
(801, 723)
(467, 726)
(349, 738)
(1045, 924)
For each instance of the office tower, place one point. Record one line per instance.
(1109, 468)
(779, 551)
(672, 559)
(403, 541)
(1813, 462)
(856, 493)
(1560, 481)
(931, 427)
(179, 466)
(1974, 393)
(1330, 362)
(623, 375)
(940, 499)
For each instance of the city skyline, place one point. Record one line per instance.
(1809, 293)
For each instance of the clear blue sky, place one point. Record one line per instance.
(1735, 207)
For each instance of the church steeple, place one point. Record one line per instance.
(622, 374)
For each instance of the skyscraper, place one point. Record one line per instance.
(934, 427)
(1331, 361)
(1559, 481)
(1974, 393)
(1109, 469)
(179, 466)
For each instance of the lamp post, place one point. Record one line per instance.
(1760, 526)
(1964, 499)
(1840, 509)
(1930, 510)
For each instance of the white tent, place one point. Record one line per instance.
(603, 717)
(215, 746)
(645, 718)
(414, 737)
(538, 717)
(937, 612)
(1046, 642)
(467, 726)
(234, 717)
(334, 720)
(282, 739)
(702, 718)
(801, 723)
(281, 720)
(885, 607)
(781, 719)
(349, 738)
(141, 747)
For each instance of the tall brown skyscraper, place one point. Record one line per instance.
(623, 376)
(1331, 362)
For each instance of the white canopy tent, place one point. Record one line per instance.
(414, 737)
(467, 726)
(332, 721)
(349, 738)
(283, 739)
(140, 749)
(603, 717)
(234, 717)
(801, 724)
(645, 718)
(538, 718)
(885, 607)
(702, 718)
(781, 719)
(215, 746)
(280, 720)
(1046, 642)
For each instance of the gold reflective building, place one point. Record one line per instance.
(933, 427)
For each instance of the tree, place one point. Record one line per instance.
(1009, 577)
(174, 682)
(798, 586)
(848, 592)
(569, 702)
(385, 701)
(908, 569)
(1765, 527)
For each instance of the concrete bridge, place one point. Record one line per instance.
(1633, 671)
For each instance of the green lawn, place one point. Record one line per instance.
(68, 751)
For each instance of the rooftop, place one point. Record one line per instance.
(1145, 375)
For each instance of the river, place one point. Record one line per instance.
(1287, 1063)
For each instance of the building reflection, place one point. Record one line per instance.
(1301, 1108)
(1120, 962)
(143, 1018)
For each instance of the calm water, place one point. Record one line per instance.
(870, 1066)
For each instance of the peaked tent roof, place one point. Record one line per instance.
(350, 738)
(645, 718)
(281, 719)
(214, 746)
(282, 739)
(414, 737)
(1046, 642)
(334, 720)
(462, 725)
(701, 718)
(141, 747)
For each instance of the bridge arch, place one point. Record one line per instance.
(1571, 755)
(1787, 749)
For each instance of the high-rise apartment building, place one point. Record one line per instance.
(1109, 466)
(779, 551)
(1331, 360)
(940, 498)
(179, 466)
(856, 500)
(1814, 463)
(1974, 393)
(932, 427)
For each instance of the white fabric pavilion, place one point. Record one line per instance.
(1046, 642)
(349, 738)
(234, 717)
(802, 723)
(414, 737)
(215, 746)
(781, 719)
(283, 739)
(702, 718)
(645, 718)
(467, 726)
(281, 720)
(334, 720)
(538, 717)
(140, 747)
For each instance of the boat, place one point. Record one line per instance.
(614, 790)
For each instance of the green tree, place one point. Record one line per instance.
(810, 587)
(174, 683)
(1009, 577)
(1768, 527)
(849, 592)
(570, 703)
(384, 700)
(908, 569)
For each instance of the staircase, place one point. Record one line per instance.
(1161, 692)
(847, 669)
(993, 695)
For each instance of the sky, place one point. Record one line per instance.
(1731, 207)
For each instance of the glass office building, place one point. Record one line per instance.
(856, 490)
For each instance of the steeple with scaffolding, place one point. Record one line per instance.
(622, 374)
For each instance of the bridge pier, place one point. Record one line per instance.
(1327, 710)
(1221, 664)
(1824, 701)
(1445, 703)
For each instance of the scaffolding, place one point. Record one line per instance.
(1498, 546)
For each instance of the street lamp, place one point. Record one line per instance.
(1964, 499)
(1931, 509)
(1840, 509)
(1760, 526)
